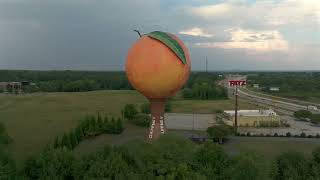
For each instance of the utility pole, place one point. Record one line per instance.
(236, 111)
(206, 64)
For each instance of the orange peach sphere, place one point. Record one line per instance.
(154, 69)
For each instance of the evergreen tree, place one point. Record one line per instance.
(112, 126)
(81, 133)
(73, 140)
(92, 125)
(77, 133)
(64, 140)
(99, 124)
(106, 123)
(56, 143)
(119, 126)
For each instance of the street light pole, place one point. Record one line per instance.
(236, 111)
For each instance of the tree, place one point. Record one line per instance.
(7, 164)
(106, 125)
(50, 164)
(142, 120)
(112, 126)
(56, 143)
(219, 132)
(92, 126)
(65, 141)
(248, 166)
(168, 106)
(210, 160)
(302, 114)
(99, 123)
(315, 118)
(145, 108)
(73, 140)
(119, 126)
(292, 165)
(130, 111)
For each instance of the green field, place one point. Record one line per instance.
(34, 120)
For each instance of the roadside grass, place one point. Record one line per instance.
(207, 106)
(271, 147)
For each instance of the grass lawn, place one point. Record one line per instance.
(33, 120)
(207, 106)
(270, 147)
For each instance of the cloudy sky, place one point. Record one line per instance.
(96, 34)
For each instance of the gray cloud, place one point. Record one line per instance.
(96, 34)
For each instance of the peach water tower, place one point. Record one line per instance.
(158, 65)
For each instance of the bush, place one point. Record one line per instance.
(219, 132)
(130, 111)
(288, 134)
(145, 108)
(248, 134)
(168, 106)
(315, 118)
(303, 135)
(142, 120)
(302, 114)
(275, 135)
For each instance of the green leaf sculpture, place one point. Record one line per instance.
(170, 42)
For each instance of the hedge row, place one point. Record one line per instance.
(288, 134)
(90, 126)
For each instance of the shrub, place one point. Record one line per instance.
(303, 135)
(141, 120)
(275, 135)
(315, 118)
(130, 111)
(302, 114)
(318, 135)
(248, 134)
(219, 132)
(288, 134)
(145, 108)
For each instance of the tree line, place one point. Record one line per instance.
(169, 158)
(78, 81)
(291, 84)
(90, 126)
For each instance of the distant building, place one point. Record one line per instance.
(274, 89)
(254, 118)
(257, 86)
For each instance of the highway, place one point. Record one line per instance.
(276, 104)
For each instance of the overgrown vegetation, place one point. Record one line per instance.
(307, 115)
(79, 81)
(220, 132)
(168, 158)
(89, 127)
(300, 85)
(7, 165)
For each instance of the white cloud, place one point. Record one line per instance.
(266, 12)
(196, 32)
(251, 40)
(210, 11)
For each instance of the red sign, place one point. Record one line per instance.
(237, 83)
